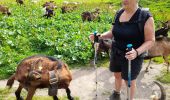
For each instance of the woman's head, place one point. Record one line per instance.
(129, 3)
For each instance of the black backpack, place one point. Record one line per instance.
(141, 19)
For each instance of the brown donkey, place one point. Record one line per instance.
(160, 48)
(41, 72)
(68, 8)
(49, 8)
(4, 10)
(91, 16)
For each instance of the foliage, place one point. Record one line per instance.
(63, 36)
(164, 77)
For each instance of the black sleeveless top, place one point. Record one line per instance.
(128, 32)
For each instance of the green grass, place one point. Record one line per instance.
(5, 94)
(164, 77)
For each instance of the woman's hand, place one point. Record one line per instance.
(131, 55)
(91, 37)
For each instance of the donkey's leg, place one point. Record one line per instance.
(69, 94)
(31, 91)
(146, 70)
(55, 97)
(167, 62)
(168, 67)
(18, 92)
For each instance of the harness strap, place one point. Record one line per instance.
(53, 80)
(142, 19)
(59, 64)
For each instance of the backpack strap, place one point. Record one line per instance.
(142, 19)
(116, 15)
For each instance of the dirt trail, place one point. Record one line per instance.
(83, 84)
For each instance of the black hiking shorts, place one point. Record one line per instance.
(118, 63)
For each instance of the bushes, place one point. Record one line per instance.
(63, 36)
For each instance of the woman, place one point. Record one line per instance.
(126, 31)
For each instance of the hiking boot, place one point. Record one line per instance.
(115, 96)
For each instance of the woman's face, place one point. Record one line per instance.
(129, 3)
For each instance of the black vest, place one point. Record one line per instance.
(129, 32)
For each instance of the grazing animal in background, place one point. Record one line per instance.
(49, 12)
(41, 72)
(161, 48)
(49, 9)
(155, 96)
(5, 10)
(68, 8)
(20, 2)
(50, 4)
(91, 16)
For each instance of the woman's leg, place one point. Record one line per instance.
(132, 89)
(118, 85)
(118, 81)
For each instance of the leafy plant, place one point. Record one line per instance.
(63, 36)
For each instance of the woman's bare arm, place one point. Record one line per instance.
(149, 35)
(104, 35)
(107, 34)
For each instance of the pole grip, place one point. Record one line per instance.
(96, 38)
(129, 47)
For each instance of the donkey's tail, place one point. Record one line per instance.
(163, 93)
(10, 81)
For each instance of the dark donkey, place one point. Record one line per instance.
(41, 72)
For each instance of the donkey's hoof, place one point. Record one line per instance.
(71, 98)
(146, 71)
(21, 98)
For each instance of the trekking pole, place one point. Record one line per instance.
(129, 48)
(96, 44)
